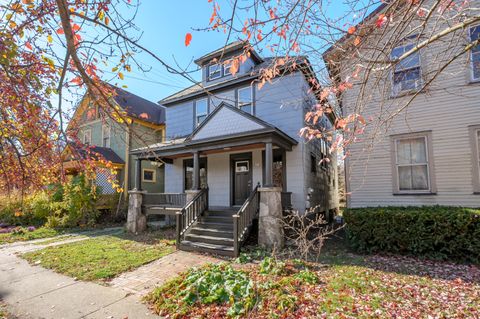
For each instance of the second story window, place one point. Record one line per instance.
(406, 74)
(214, 71)
(245, 99)
(106, 135)
(87, 136)
(226, 69)
(201, 111)
(474, 33)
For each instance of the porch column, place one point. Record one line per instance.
(196, 171)
(138, 174)
(268, 165)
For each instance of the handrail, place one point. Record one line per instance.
(189, 214)
(243, 219)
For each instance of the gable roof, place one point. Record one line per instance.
(224, 123)
(226, 50)
(348, 36)
(199, 88)
(227, 120)
(138, 107)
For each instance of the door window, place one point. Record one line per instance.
(242, 166)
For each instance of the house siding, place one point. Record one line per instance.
(282, 104)
(446, 109)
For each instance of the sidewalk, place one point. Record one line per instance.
(33, 292)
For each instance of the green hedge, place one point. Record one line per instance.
(434, 231)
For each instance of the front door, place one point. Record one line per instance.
(242, 180)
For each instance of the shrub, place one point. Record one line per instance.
(71, 204)
(435, 231)
(78, 205)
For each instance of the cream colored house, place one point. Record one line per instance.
(421, 145)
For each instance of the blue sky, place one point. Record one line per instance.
(164, 28)
(164, 25)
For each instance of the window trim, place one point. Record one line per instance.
(427, 135)
(195, 115)
(475, 147)
(472, 78)
(226, 67)
(154, 175)
(109, 135)
(89, 131)
(237, 99)
(209, 74)
(392, 74)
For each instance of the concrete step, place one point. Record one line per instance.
(221, 241)
(208, 248)
(212, 232)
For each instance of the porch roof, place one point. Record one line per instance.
(226, 128)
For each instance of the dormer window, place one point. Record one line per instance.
(214, 71)
(226, 69)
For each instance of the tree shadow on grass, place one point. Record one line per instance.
(337, 253)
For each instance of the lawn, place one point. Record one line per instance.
(102, 257)
(343, 285)
(24, 234)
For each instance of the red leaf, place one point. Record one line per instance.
(60, 31)
(188, 39)
(28, 45)
(351, 30)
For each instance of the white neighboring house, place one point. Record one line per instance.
(430, 153)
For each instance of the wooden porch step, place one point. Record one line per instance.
(217, 219)
(212, 232)
(207, 248)
(220, 214)
(221, 241)
(214, 225)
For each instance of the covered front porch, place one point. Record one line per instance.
(213, 181)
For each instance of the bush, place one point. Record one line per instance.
(436, 232)
(68, 205)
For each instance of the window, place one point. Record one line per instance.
(313, 163)
(324, 154)
(201, 111)
(214, 71)
(413, 163)
(245, 100)
(149, 175)
(242, 166)
(87, 136)
(406, 74)
(475, 142)
(226, 69)
(188, 173)
(474, 34)
(106, 135)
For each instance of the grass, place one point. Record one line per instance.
(25, 235)
(102, 257)
(342, 285)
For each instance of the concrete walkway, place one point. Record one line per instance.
(35, 292)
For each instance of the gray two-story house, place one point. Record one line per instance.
(228, 134)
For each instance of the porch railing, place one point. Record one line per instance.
(165, 199)
(189, 214)
(286, 200)
(243, 219)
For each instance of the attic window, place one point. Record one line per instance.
(87, 136)
(214, 71)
